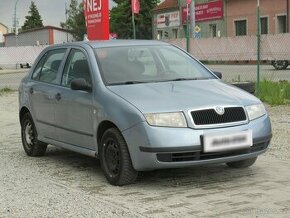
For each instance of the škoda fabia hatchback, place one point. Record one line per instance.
(138, 106)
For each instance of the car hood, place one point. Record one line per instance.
(182, 95)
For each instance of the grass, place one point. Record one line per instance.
(275, 93)
(5, 90)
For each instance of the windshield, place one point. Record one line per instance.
(142, 64)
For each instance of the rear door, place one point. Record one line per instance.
(74, 109)
(45, 79)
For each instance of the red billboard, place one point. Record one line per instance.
(97, 19)
(206, 12)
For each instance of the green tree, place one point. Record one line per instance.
(33, 20)
(121, 19)
(76, 20)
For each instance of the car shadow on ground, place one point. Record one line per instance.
(71, 166)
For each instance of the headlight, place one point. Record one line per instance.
(255, 111)
(175, 119)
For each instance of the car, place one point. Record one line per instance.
(138, 105)
(280, 64)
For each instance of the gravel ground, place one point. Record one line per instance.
(280, 119)
(66, 184)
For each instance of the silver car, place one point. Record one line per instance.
(138, 106)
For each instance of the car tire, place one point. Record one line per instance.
(280, 65)
(31, 145)
(242, 163)
(115, 159)
(247, 86)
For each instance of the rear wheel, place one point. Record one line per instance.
(115, 159)
(31, 145)
(242, 163)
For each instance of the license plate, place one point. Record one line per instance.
(227, 142)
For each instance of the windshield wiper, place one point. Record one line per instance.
(127, 83)
(192, 78)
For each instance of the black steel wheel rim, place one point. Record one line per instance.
(112, 157)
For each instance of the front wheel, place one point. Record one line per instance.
(31, 145)
(242, 163)
(115, 159)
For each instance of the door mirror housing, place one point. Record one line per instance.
(81, 84)
(218, 74)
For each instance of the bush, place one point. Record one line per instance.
(275, 93)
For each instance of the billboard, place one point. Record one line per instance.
(170, 19)
(97, 19)
(206, 12)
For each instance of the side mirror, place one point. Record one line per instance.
(81, 84)
(218, 74)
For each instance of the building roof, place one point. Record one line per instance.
(167, 4)
(40, 28)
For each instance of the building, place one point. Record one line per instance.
(166, 20)
(47, 35)
(3, 30)
(242, 17)
(220, 18)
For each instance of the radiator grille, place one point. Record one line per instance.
(211, 117)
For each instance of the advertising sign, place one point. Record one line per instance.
(206, 12)
(97, 19)
(170, 19)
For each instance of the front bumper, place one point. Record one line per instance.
(160, 147)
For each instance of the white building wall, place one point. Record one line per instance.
(62, 37)
(39, 37)
(1, 37)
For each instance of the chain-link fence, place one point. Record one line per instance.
(236, 57)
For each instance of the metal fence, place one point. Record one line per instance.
(234, 57)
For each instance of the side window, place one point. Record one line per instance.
(51, 63)
(76, 67)
(37, 70)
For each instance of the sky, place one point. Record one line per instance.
(51, 11)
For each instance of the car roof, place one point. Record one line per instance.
(116, 43)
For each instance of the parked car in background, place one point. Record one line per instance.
(280, 65)
(138, 106)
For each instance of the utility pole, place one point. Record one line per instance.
(15, 23)
(66, 21)
(192, 18)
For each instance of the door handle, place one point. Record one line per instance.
(31, 90)
(58, 96)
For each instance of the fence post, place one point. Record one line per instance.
(187, 28)
(258, 47)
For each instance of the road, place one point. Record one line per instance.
(11, 78)
(66, 184)
(230, 73)
(248, 72)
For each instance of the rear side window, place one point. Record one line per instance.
(47, 68)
